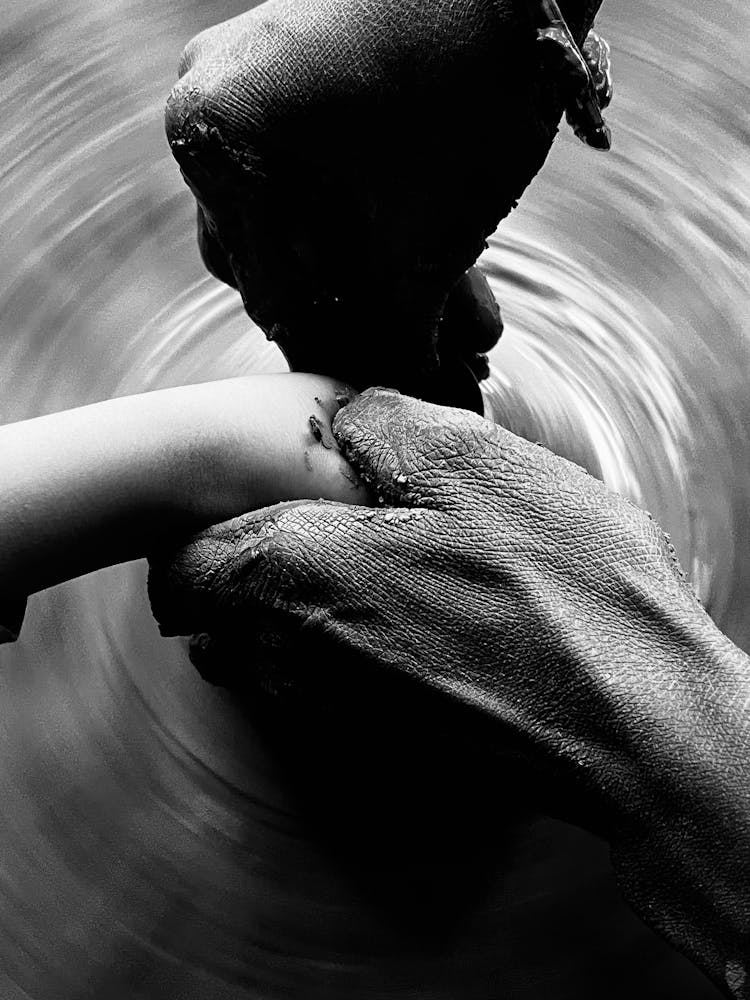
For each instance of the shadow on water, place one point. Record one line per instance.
(160, 839)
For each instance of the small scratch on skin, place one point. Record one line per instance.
(735, 977)
(322, 433)
(308, 460)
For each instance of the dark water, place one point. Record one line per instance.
(152, 844)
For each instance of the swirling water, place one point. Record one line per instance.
(142, 854)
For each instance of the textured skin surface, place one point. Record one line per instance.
(502, 587)
(350, 158)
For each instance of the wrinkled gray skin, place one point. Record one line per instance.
(350, 158)
(549, 614)
(344, 157)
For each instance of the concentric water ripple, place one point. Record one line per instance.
(153, 845)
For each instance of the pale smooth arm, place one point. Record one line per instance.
(109, 482)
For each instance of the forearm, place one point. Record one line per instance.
(92, 486)
(676, 783)
(107, 483)
(698, 892)
(647, 744)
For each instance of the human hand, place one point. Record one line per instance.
(548, 614)
(350, 159)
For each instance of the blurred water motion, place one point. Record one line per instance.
(152, 844)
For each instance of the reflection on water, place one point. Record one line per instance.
(148, 835)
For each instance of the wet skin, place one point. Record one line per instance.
(287, 157)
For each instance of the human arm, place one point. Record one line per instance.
(106, 483)
(548, 615)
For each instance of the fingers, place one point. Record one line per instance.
(290, 560)
(350, 161)
(412, 453)
(574, 70)
(270, 594)
(596, 52)
(470, 326)
(193, 588)
(471, 322)
(211, 251)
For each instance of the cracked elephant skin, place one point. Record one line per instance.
(503, 609)
(402, 128)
